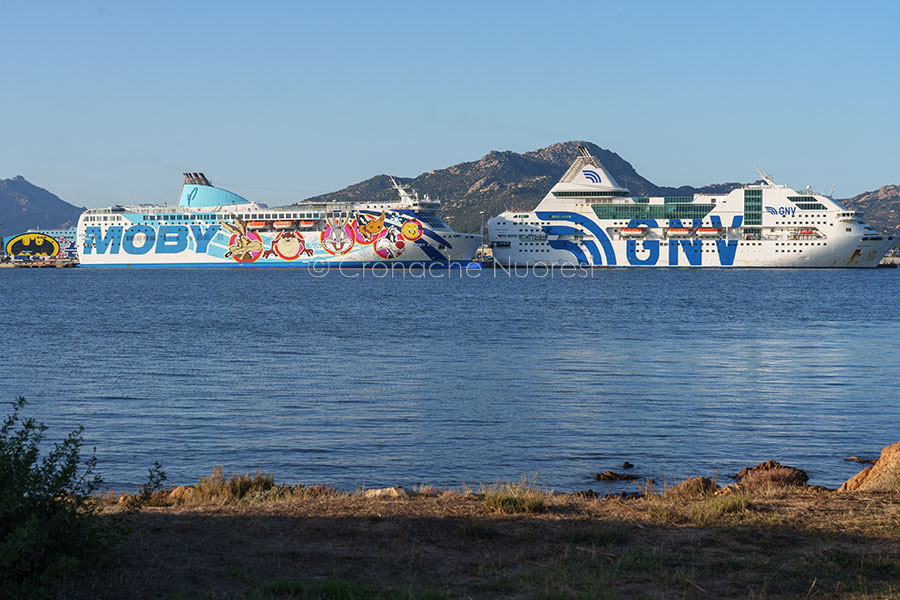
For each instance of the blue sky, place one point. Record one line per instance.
(109, 102)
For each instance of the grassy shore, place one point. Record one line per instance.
(502, 541)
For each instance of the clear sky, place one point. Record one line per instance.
(109, 102)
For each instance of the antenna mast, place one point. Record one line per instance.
(766, 177)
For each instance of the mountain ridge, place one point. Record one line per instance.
(471, 192)
(503, 180)
(24, 206)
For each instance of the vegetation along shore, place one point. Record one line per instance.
(766, 534)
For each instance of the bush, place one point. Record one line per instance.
(150, 491)
(48, 524)
(216, 488)
(512, 498)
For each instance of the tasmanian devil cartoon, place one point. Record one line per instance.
(288, 245)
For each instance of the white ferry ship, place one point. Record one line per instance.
(212, 227)
(589, 219)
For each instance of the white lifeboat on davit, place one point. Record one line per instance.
(679, 232)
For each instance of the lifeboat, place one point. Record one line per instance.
(307, 223)
(634, 231)
(283, 224)
(709, 231)
(807, 232)
(256, 224)
(679, 232)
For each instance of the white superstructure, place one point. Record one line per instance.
(589, 219)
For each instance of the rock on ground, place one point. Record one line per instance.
(883, 476)
(183, 493)
(388, 492)
(610, 476)
(771, 473)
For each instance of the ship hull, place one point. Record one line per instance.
(850, 253)
(202, 242)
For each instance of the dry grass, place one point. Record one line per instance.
(523, 496)
(777, 478)
(217, 489)
(526, 543)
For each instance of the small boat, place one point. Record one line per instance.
(679, 231)
(807, 232)
(709, 231)
(283, 224)
(307, 223)
(634, 231)
(256, 224)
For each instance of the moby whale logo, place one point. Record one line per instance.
(591, 175)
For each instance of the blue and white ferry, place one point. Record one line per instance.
(589, 219)
(212, 227)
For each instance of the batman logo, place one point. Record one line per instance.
(36, 244)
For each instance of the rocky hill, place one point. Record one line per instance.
(25, 206)
(881, 208)
(496, 182)
(508, 180)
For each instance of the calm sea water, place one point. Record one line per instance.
(376, 381)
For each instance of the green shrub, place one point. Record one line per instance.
(150, 491)
(48, 524)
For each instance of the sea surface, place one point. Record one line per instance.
(371, 379)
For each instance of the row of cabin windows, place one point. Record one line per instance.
(612, 194)
(652, 211)
(807, 203)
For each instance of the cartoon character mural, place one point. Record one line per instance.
(390, 243)
(288, 245)
(411, 230)
(338, 236)
(367, 227)
(243, 246)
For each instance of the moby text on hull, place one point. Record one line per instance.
(588, 219)
(212, 227)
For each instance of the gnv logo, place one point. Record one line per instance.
(783, 211)
(591, 175)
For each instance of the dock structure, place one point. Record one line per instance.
(58, 263)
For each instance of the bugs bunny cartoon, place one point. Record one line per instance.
(337, 241)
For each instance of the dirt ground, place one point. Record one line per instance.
(784, 543)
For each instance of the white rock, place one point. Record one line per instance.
(388, 492)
